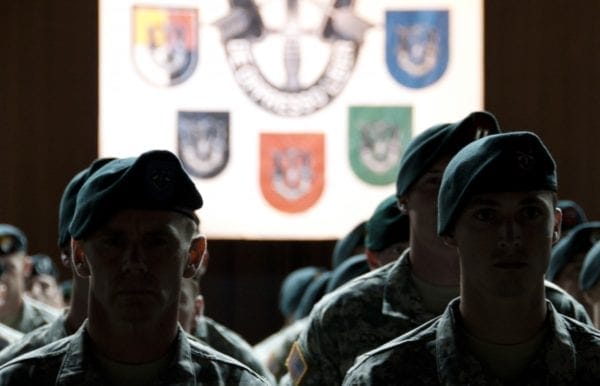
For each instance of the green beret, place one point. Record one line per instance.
(349, 245)
(572, 215)
(387, 226)
(42, 264)
(67, 202)
(348, 270)
(12, 240)
(509, 162)
(590, 270)
(442, 140)
(579, 240)
(293, 287)
(155, 180)
(314, 292)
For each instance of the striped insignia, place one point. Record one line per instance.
(165, 44)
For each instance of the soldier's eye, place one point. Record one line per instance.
(484, 214)
(531, 212)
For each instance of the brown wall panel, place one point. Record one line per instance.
(48, 114)
(542, 73)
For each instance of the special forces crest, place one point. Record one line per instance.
(203, 142)
(315, 48)
(165, 44)
(291, 170)
(377, 137)
(416, 46)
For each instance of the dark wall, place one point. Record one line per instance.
(541, 74)
(48, 109)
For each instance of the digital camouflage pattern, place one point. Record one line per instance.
(69, 361)
(230, 343)
(359, 316)
(367, 312)
(34, 315)
(273, 351)
(39, 337)
(435, 354)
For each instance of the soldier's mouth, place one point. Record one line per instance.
(510, 265)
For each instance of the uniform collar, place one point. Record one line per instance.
(78, 368)
(456, 366)
(400, 296)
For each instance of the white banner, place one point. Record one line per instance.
(290, 115)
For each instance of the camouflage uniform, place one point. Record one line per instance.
(362, 315)
(435, 354)
(70, 361)
(273, 350)
(228, 342)
(34, 315)
(39, 337)
(8, 335)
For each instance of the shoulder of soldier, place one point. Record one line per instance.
(226, 333)
(39, 363)
(226, 365)
(38, 313)
(566, 304)
(581, 332)
(231, 343)
(410, 354)
(275, 347)
(30, 341)
(415, 338)
(368, 287)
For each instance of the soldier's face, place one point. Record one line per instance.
(136, 262)
(504, 241)
(421, 205)
(12, 280)
(391, 253)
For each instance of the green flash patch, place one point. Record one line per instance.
(377, 138)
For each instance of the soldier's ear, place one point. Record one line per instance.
(372, 260)
(196, 256)
(80, 264)
(557, 225)
(401, 204)
(449, 239)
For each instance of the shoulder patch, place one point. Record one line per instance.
(296, 364)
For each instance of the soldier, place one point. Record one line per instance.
(350, 245)
(70, 320)
(293, 288)
(589, 282)
(573, 215)
(497, 208)
(567, 258)
(272, 351)
(209, 331)
(135, 236)
(398, 297)
(42, 282)
(17, 310)
(387, 233)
